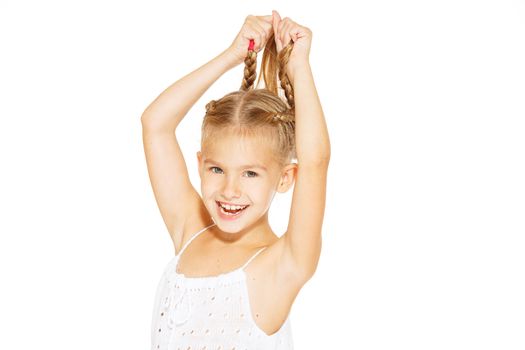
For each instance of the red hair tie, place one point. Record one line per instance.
(252, 44)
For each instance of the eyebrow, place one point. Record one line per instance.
(242, 166)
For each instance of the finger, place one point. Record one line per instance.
(291, 29)
(278, 44)
(258, 28)
(265, 29)
(280, 30)
(276, 21)
(258, 43)
(285, 30)
(268, 27)
(252, 35)
(261, 36)
(266, 32)
(287, 38)
(294, 33)
(266, 19)
(256, 32)
(287, 33)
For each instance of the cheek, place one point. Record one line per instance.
(209, 183)
(263, 191)
(207, 190)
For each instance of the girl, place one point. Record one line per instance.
(217, 296)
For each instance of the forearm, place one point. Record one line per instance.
(170, 107)
(311, 133)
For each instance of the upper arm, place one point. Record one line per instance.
(303, 236)
(174, 193)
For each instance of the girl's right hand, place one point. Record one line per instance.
(258, 28)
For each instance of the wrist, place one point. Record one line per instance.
(229, 59)
(296, 68)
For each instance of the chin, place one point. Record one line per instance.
(226, 229)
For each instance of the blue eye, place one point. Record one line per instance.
(214, 167)
(252, 172)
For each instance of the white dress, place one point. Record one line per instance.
(209, 313)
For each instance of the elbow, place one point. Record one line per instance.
(145, 118)
(325, 157)
(327, 151)
(320, 156)
(154, 123)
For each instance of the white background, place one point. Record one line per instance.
(425, 214)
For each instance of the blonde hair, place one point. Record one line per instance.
(259, 113)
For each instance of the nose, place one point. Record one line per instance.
(232, 188)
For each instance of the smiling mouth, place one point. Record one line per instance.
(228, 211)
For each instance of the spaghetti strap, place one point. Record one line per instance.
(192, 238)
(253, 256)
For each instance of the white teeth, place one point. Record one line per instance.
(228, 213)
(232, 207)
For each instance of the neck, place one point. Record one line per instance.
(257, 234)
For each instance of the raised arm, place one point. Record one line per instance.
(313, 155)
(303, 235)
(170, 107)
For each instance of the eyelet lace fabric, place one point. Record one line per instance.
(209, 313)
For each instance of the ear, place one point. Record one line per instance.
(288, 174)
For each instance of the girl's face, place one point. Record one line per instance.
(240, 172)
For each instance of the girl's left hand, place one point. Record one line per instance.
(286, 30)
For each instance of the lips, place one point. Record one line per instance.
(227, 214)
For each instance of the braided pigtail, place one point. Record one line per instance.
(283, 58)
(250, 70)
